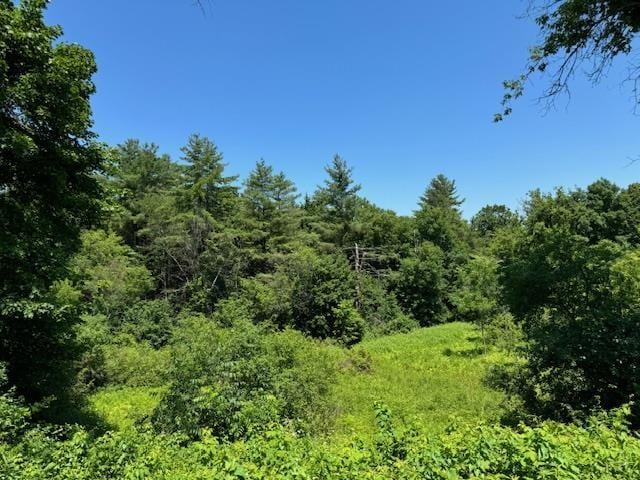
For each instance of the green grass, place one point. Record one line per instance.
(428, 376)
(122, 407)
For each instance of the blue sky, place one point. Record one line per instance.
(402, 89)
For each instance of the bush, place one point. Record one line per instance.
(308, 292)
(135, 364)
(150, 321)
(14, 415)
(421, 286)
(237, 381)
(348, 324)
(380, 309)
(602, 449)
(502, 332)
(109, 273)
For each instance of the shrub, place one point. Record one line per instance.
(109, 273)
(150, 321)
(14, 415)
(380, 309)
(237, 381)
(308, 292)
(421, 286)
(348, 324)
(135, 364)
(502, 332)
(602, 449)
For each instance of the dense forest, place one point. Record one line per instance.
(164, 318)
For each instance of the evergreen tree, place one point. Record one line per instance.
(269, 209)
(338, 200)
(439, 219)
(441, 193)
(206, 186)
(138, 171)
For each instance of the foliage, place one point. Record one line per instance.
(150, 321)
(570, 281)
(439, 220)
(420, 285)
(380, 309)
(574, 32)
(477, 296)
(133, 364)
(109, 274)
(269, 214)
(14, 415)
(492, 218)
(337, 201)
(237, 381)
(47, 191)
(603, 449)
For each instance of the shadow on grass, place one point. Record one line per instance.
(75, 413)
(464, 353)
(478, 349)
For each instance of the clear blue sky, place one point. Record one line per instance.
(402, 89)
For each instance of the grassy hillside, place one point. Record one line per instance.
(430, 376)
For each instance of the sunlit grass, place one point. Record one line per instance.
(430, 376)
(121, 408)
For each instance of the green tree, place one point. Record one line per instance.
(574, 32)
(109, 274)
(48, 192)
(477, 296)
(570, 282)
(338, 201)
(492, 218)
(441, 193)
(438, 218)
(206, 187)
(421, 286)
(269, 214)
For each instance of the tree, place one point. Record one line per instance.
(269, 213)
(421, 286)
(438, 218)
(337, 200)
(478, 293)
(206, 187)
(109, 274)
(441, 193)
(492, 218)
(48, 192)
(570, 281)
(136, 173)
(574, 32)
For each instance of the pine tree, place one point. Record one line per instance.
(439, 219)
(441, 193)
(269, 214)
(338, 200)
(206, 186)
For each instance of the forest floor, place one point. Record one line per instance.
(430, 377)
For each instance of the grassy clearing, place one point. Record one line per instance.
(429, 376)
